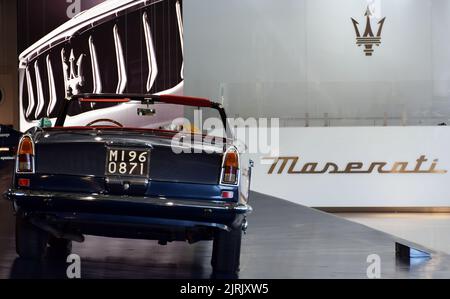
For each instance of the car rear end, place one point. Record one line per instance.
(93, 174)
(116, 181)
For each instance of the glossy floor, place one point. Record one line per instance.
(285, 240)
(429, 229)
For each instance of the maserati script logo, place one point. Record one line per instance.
(291, 165)
(368, 40)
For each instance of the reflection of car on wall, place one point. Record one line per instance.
(9, 138)
(108, 179)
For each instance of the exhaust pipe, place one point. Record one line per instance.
(56, 232)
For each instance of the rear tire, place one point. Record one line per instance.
(59, 248)
(31, 242)
(227, 251)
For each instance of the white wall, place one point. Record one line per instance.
(298, 59)
(365, 145)
(292, 58)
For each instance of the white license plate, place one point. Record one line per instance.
(127, 162)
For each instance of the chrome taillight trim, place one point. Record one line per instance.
(222, 171)
(33, 159)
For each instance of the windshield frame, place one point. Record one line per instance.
(144, 99)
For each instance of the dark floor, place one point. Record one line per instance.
(284, 240)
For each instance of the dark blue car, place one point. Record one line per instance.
(165, 181)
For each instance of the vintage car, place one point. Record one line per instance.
(109, 179)
(9, 139)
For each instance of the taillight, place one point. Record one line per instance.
(227, 194)
(24, 183)
(25, 155)
(230, 167)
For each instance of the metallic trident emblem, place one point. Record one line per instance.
(73, 73)
(368, 39)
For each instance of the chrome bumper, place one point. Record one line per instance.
(218, 206)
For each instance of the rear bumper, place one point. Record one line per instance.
(130, 210)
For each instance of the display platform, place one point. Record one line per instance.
(284, 240)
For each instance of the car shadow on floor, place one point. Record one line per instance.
(27, 269)
(58, 269)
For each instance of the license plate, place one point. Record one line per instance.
(127, 162)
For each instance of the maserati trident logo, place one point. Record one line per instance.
(73, 73)
(368, 39)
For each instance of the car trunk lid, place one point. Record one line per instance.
(83, 153)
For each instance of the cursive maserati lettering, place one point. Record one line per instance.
(291, 164)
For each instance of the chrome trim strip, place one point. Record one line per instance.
(181, 31)
(121, 68)
(96, 76)
(151, 56)
(30, 90)
(21, 80)
(51, 87)
(239, 208)
(77, 80)
(65, 68)
(39, 90)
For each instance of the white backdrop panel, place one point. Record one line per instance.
(366, 145)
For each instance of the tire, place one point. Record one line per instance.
(227, 251)
(31, 242)
(59, 248)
